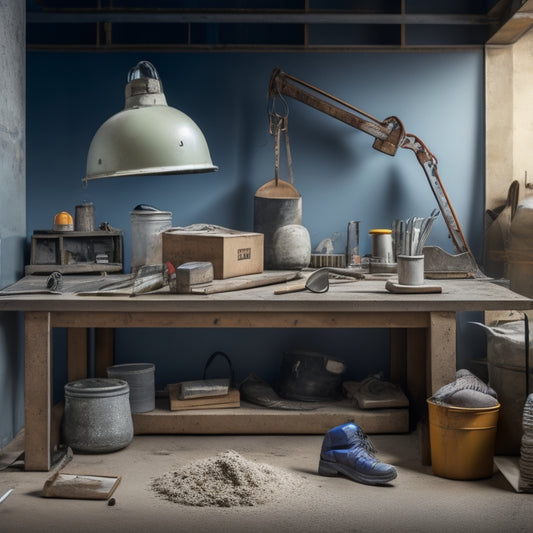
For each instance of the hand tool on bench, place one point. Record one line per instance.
(269, 277)
(318, 282)
(194, 274)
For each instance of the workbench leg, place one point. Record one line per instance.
(104, 339)
(442, 363)
(76, 353)
(440, 368)
(37, 390)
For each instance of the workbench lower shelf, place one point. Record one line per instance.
(251, 419)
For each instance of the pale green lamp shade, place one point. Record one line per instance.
(147, 138)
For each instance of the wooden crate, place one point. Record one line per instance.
(76, 252)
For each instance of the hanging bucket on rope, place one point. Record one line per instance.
(277, 203)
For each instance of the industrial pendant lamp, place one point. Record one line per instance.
(147, 137)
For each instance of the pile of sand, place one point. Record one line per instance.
(225, 480)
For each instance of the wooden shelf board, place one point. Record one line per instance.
(252, 419)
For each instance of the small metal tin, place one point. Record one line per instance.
(84, 217)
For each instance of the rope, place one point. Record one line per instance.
(279, 125)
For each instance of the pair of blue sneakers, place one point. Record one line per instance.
(347, 450)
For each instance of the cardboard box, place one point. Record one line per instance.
(232, 253)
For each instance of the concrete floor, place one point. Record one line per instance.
(416, 501)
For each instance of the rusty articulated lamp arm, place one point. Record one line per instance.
(389, 135)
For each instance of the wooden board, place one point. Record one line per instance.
(80, 486)
(254, 420)
(510, 468)
(225, 401)
(13, 451)
(246, 282)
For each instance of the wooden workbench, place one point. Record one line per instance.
(423, 334)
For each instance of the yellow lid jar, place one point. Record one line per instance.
(381, 245)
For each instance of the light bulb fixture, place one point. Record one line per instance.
(147, 137)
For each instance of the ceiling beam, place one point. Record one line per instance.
(518, 23)
(252, 17)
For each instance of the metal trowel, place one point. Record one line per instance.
(318, 281)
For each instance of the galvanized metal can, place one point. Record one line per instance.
(141, 379)
(146, 240)
(97, 416)
(84, 217)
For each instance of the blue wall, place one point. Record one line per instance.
(438, 97)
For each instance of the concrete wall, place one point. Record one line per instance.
(509, 140)
(509, 118)
(12, 209)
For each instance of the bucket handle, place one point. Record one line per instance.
(212, 357)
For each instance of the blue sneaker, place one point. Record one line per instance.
(347, 450)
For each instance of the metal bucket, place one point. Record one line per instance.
(146, 241)
(462, 440)
(97, 415)
(276, 204)
(140, 378)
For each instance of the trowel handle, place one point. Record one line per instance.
(291, 287)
